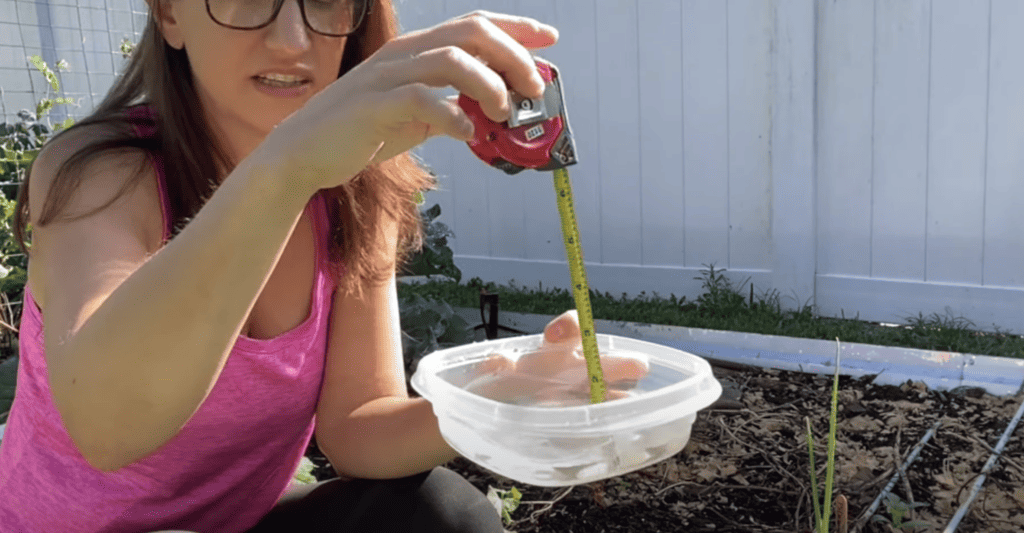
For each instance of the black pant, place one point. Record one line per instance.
(436, 501)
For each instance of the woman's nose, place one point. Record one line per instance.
(288, 32)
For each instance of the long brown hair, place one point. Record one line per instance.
(159, 75)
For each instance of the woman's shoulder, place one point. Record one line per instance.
(100, 173)
(120, 179)
(108, 185)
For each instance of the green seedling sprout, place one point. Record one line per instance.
(898, 510)
(504, 501)
(822, 512)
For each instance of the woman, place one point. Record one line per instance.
(212, 275)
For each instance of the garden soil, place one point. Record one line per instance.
(746, 465)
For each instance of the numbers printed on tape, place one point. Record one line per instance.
(581, 290)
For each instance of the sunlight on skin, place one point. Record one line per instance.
(556, 371)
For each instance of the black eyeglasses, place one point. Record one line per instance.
(333, 18)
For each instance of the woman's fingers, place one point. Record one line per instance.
(563, 328)
(526, 31)
(455, 67)
(617, 368)
(411, 114)
(489, 37)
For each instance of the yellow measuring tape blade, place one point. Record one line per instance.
(580, 288)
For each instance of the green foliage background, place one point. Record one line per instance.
(20, 143)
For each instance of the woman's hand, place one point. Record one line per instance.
(385, 105)
(556, 373)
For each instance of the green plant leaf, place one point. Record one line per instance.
(127, 47)
(504, 501)
(830, 470)
(304, 474)
(43, 107)
(814, 476)
(28, 156)
(42, 67)
(435, 257)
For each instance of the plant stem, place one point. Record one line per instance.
(814, 476)
(830, 471)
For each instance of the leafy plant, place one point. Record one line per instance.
(12, 262)
(822, 512)
(436, 257)
(720, 295)
(429, 323)
(20, 142)
(898, 510)
(428, 326)
(504, 501)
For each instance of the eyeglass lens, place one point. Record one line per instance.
(335, 17)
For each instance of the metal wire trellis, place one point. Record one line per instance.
(85, 33)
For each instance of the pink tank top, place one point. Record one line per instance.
(221, 473)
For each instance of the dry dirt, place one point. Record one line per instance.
(746, 465)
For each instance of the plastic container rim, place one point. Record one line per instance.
(442, 393)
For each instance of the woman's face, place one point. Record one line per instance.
(229, 67)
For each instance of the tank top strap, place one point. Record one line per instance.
(142, 117)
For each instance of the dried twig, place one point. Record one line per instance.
(909, 493)
(720, 486)
(8, 314)
(547, 505)
(767, 457)
(1002, 457)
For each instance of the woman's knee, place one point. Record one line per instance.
(455, 505)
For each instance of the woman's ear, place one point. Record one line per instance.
(166, 20)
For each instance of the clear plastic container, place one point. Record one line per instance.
(566, 441)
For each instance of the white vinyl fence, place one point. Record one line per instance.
(863, 156)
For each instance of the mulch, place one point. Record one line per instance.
(745, 467)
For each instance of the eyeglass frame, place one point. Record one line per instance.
(302, 8)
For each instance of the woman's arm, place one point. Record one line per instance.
(367, 426)
(134, 343)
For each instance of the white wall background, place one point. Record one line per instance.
(863, 156)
